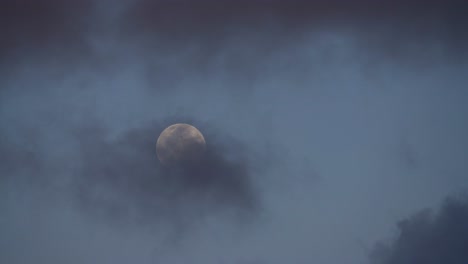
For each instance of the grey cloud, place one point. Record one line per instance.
(123, 176)
(46, 29)
(317, 114)
(429, 237)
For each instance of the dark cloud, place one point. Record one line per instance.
(120, 180)
(176, 40)
(231, 35)
(122, 176)
(429, 237)
(214, 20)
(61, 30)
(52, 27)
(86, 86)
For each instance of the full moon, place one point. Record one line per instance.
(180, 143)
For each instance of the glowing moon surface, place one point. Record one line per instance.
(180, 143)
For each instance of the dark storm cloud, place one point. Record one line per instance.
(86, 86)
(206, 36)
(204, 12)
(238, 36)
(59, 30)
(122, 181)
(429, 237)
(122, 176)
(182, 20)
(29, 26)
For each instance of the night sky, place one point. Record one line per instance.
(336, 131)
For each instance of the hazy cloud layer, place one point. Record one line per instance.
(326, 123)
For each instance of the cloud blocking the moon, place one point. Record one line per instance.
(86, 86)
(123, 176)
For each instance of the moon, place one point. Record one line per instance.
(180, 143)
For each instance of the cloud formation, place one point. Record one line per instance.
(429, 237)
(29, 27)
(344, 101)
(122, 176)
(121, 179)
(67, 27)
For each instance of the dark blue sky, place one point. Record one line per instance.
(328, 123)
